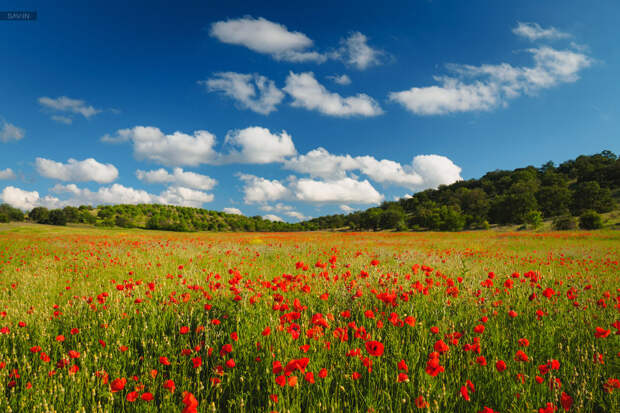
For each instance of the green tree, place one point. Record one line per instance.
(590, 220)
(39, 215)
(57, 217)
(534, 219)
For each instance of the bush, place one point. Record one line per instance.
(533, 219)
(590, 220)
(564, 223)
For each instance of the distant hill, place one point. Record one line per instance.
(583, 187)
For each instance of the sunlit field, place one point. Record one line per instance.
(112, 320)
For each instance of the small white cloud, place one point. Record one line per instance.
(178, 177)
(62, 119)
(65, 104)
(308, 93)
(7, 174)
(272, 217)
(264, 36)
(297, 215)
(10, 132)
(234, 211)
(176, 149)
(355, 51)
(258, 145)
(533, 32)
(253, 92)
(346, 209)
(340, 79)
(74, 170)
(260, 190)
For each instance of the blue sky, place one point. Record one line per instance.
(288, 113)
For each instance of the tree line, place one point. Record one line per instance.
(572, 193)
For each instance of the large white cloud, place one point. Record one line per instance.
(264, 36)
(355, 51)
(10, 132)
(26, 200)
(176, 149)
(258, 145)
(79, 171)
(120, 194)
(251, 91)
(533, 31)
(308, 93)
(7, 173)
(178, 177)
(425, 171)
(485, 87)
(343, 190)
(67, 105)
(261, 190)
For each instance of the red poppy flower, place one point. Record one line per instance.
(118, 384)
(147, 397)
(500, 365)
(374, 348)
(132, 396)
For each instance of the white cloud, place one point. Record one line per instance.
(297, 215)
(258, 145)
(26, 200)
(493, 85)
(176, 149)
(343, 190)
(62, 119)
(264, 36)
(10, 132)
(74, 170)
(346, 209)
(120, 194)
(355, 51)
(272, 217)
(425, 171)
(308, 93)
(178, 177)
(260, 190)
(234, 211)
(340, 79)
(7, 173)
(253, 92)
(65, 104)
(533, 32)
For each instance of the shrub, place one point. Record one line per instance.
(590, 220)
(564, 223)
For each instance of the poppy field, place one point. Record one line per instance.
(113, 320)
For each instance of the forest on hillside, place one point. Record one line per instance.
(573, 194)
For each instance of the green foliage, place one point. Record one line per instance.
(534, 219)
(590, 220)
(57, 217)
(564, 223)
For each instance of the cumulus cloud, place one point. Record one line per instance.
(234, 211)
(74, 170)
(425, 171)
(533, 32)
(250, 91)
(120, 194)
(264, 36)
(340, 79)
(308, 93)
(258, 145)
(485, 87)
(287, 210)
(178, 177)
(26, 200)
(176, 149)
(260, 190)
(343, 190)
(355, 51)
(67, 105)
(272, 217)
(7, 174)
(346, 209)
(10, 132)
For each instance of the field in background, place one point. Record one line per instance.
(132, 320)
